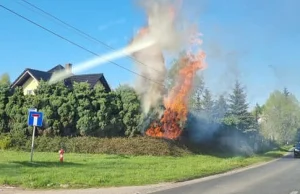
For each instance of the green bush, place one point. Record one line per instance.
(18, 139)
(123, 146)
(5, 141)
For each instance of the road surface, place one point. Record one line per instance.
(278, 177)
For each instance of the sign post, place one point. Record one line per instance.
(32, 143)
(35, 119)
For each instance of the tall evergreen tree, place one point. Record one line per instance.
(86, 115)
(107, 107)
(220, 109)
(16, 112)
(208, 105)
(42, 97)
(131, 110)
(196, 97)
(58, 104)
(66, 112)
(4, 94)
(238, 108)
(286, 93)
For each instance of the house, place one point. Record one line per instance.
(30, 78)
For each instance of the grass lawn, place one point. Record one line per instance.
(87, 170)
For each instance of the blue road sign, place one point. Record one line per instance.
(31, 110)
(35, 119)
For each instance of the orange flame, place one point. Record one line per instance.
(177, 102)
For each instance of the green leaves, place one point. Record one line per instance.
(82, 110)
(85, 122)
(4, 93)
(238, 108)
(86, 111)
(5, 79)
(220, 109)
(281, 117)
(16, 111)
(130, 111)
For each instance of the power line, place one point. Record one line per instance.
(75, 44)
(78, 31)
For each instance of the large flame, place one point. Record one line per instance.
(165, 24)
(176, 103)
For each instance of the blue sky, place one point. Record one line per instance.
(252, 40)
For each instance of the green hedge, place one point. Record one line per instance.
(126, 146)
(5, 141)
(123, 146)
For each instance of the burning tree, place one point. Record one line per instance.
(176, 103)
(163, 25)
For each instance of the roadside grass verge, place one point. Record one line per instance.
(92, 170)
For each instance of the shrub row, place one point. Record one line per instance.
(93, 145)
(126, 146)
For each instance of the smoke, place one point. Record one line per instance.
(238, 145)
(152, 68)
(203, 130)
(161, 34)
(200, 128)
(165, 25)
(229, 59)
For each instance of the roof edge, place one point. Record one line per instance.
(20, 77)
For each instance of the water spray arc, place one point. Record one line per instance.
(58, 76)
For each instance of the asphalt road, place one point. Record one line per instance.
(278, 177)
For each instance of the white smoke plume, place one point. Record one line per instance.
(165, 32)
(165, 25)
(161, 32)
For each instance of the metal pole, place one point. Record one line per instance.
(32, 144)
